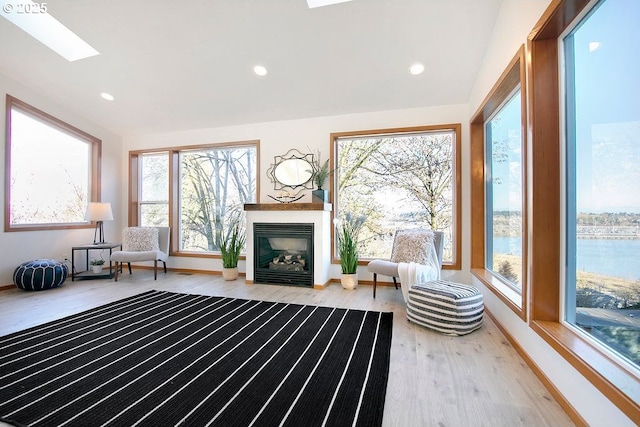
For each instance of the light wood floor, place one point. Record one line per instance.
(434, 380)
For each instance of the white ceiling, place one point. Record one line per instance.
(176, 65)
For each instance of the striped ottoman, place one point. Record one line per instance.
(447, 307)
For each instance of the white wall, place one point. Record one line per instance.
(307, 135)
(516, 20)
(18, 247)
(514, 23)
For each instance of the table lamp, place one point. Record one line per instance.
(99, 212)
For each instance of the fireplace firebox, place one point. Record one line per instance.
(283, 253)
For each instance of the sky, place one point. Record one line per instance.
(506, 165)
(38, 154)
(608, 109)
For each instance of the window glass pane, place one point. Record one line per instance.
(397, 181)
(214, 185)
(154, 215)
(154, 189)
(603, 177)
(155, 177)
(50, 173)
(503, 192)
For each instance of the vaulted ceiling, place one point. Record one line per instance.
(176, 65)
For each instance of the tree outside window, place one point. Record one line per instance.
(214, 186)
(398, 180)
(154, 190)
(210, 188)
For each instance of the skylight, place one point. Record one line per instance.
(34, 19)
(320, 3)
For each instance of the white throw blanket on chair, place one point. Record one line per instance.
(411, 273)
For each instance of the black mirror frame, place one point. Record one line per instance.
(291, 155)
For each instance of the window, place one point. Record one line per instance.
(215, 183)
(53, 170)
(602, 176)
(550, 179)
(504, 192)
(154, 189)
(400, 178)
(498, 202)
(549, 172)
(194, 190)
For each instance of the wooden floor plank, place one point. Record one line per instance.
(434, 379)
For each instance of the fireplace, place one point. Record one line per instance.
(283, 253)
(288, 215)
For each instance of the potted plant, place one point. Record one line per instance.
(231, 244)
(96, 265)
(321, 175)
(348, 231)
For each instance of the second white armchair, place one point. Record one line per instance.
(143, 244)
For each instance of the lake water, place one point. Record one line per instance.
(618, 258)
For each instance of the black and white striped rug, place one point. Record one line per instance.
(163, 358)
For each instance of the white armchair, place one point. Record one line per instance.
(143, 244)
(410, 247)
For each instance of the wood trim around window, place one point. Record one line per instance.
(545, 224)
(513, 76)
(95, 167)
(456, 263)
(174, 191)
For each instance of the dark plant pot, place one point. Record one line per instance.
(320, 196)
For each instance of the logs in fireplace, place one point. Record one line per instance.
(283, 253)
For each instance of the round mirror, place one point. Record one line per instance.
(293, 172)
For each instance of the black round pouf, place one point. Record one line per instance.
(40, 274)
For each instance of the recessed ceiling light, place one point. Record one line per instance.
(260, 70)
(320, 3)
(107, 96)
(416, 69)
(46, 29)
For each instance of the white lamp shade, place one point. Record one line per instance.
(97, 211)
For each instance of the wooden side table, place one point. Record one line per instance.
(88, 274)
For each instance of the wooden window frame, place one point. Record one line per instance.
(174, 188)
(140, 203)
(456, 263)
(95, 166)
(514, 76)
(546, 216)
(544, 210)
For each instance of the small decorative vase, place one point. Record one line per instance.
(320, 196)
(230, 273)
(96, 269)
(349, 281)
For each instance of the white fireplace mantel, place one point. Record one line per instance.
(318, 214)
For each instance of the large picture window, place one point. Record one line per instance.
(498, 189)
(504, 194)
(52, 170)
(602, 177)
(400, 179)
(215, 183)
(197, 191)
